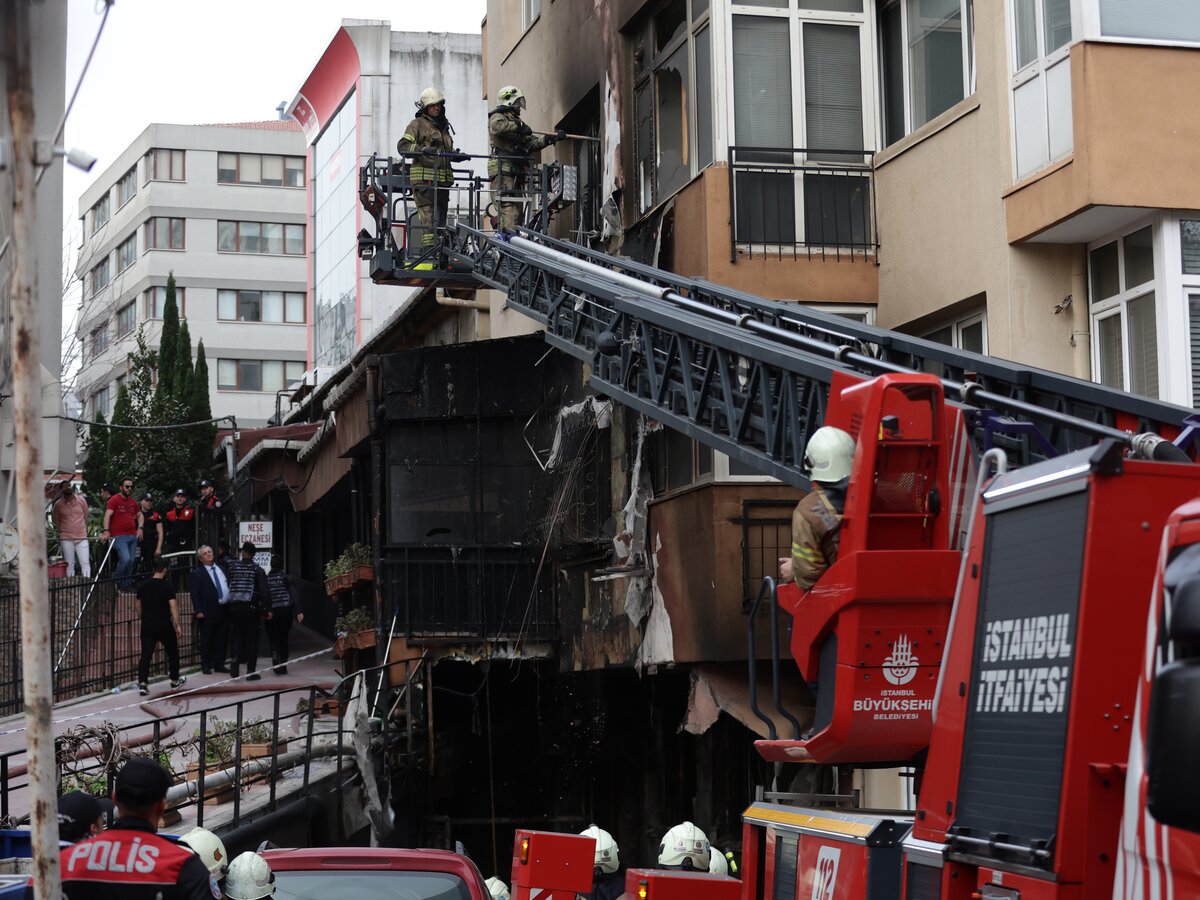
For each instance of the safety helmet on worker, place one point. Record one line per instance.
(511, 96)
(608, 855)
(431, 96)
(209, 848)
(497, 888)
(249, 878)
(684, 847)
(717, 864)
(829, 455)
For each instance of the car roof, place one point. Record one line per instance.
(370, 859)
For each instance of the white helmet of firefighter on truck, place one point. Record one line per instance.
(431, 96)
(829, 455)
(511, 96)
(249, 878)
(717, 864)
(497, 889)
(608, 855)
(210, 849)
(685, 847)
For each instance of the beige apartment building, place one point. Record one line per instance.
(1008, 176)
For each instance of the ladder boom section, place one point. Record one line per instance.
(573, 291)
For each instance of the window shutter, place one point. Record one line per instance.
(832, 89)
(762, 82)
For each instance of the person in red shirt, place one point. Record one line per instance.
(123, 524)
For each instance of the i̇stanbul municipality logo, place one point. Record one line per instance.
(900, 667)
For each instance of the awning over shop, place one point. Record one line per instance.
(725, 687)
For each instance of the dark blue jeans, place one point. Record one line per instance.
(124, 545)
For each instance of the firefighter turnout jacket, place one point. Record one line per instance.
(510, 136)
(426, 133)
(816, 532)
(130, 861)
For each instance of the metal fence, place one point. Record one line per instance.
(468, 593)
(802, 202)
(766, 537)
(95, 638)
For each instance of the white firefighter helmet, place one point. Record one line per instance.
(829, 454)
(608, 855)
(684, 847)
(249, 878)
(497, 888)
(717, 864)
(209, 848)
(429, 97)
(511, 96)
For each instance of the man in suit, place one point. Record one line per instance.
(210, 598)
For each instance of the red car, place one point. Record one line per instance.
(355, 873)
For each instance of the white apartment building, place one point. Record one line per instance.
(223, 207)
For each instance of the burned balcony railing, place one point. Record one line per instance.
(795, 202)
(469, 593)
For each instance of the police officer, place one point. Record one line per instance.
(608, 882)
(685, 847)
(430, 137)
(80, 816)
(280, 608)
(209, 515)
(247, 595)
(513, 142)
(179, 533)
(817, 519)
(130, 861)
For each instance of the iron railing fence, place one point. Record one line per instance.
(766, 538)
(802, 201)
(95, 638)
(469, 593)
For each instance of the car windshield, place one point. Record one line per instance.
(385, 885)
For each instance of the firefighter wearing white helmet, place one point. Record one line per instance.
(249, 878)
(497, 888)
(817, 519)
(513, 142)
(608, 882)
(211, 851)
(684, 847)
(428, 148)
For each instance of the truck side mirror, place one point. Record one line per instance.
(1173, 723)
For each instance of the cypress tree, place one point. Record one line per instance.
(168, 348)
(200, 408)
(183, 370)
(122, 445)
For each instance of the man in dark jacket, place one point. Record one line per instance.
(513, 142)
(130, 861)
(247, 598)
(429, 144)
(209, 589)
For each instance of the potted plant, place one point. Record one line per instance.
(355, 631)
(351, 568)
(218, 755)
(257, 739)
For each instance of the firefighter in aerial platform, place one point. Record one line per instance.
(817, 519)
(431, 136)
(513, 142)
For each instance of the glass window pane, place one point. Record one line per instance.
(704, 98)
(833, 5)
(177, 234)
(1103, 263)
(250, 171)
(1143, 346)
(227, 373)
(670, 23)
(762, 82)
(699, 8)
(248, 237)
(295, 371)
(1108, 342)
(250, 306)
(935, 57)
(272, 306)
(272, 375)
(771, 4)
(272, 238)
(891, 49)
(294, 239)
(295, 307)
(1025, 13)
(226, 235)
(832, 89)
(1163, 19)
(1189, 237)
(272, 170)
(294, 171)
(1194, 344)
(671, 84)
(971, 337)
(1139, 257)
(1057, 23)
(227, 167)
(177, 165)
(250, 375)
(226, 304)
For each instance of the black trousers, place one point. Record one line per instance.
(214, 634)
(243, 635)
(153, 634)
(278, 628)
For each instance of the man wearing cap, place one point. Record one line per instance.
(160, 625)
(130, 860)
(81, 816)
(151, 544)
(180, 524)
(247, 597)
(210, 513)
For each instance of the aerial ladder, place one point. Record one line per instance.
(899, 625)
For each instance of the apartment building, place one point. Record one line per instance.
(223, 207)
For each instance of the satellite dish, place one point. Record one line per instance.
(10, 544)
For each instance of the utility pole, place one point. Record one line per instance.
(25, 333)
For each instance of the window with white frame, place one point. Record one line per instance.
(98, 340)
(258, 168)
(268, 375)
(261, 306)
(260, 237)
(102, 402)
(926, 54)
(530, 10)
(1039, 60)
(127, 253)
(673, 99)
(802, 83)
(164, 165)
(155, 300)
(126, 318)
(98, 215)
(1123, 312)
(1163, 20)
(162, 233)
(1189, 245)
(127, 187)
(98, 277)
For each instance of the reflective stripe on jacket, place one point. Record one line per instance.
(816, 533)
(424, 133)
